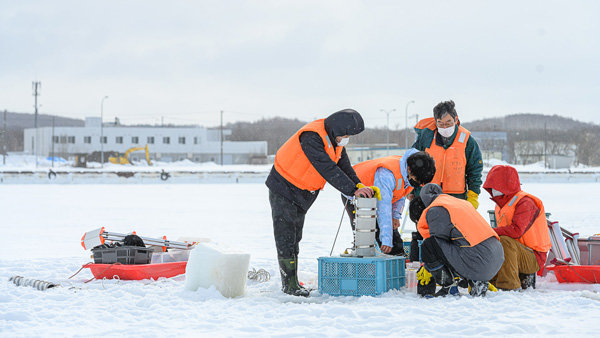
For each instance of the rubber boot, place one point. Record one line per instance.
(288, 268)
(527, 280)
(415, 250)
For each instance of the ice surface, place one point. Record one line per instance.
(210, 264)
(41, 228)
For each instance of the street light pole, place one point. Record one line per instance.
(221, 138)
(406, 120)
(102, 131)
(387, 129)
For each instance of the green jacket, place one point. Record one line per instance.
(473, 154)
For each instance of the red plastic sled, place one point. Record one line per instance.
(576, 273)
(137, 271)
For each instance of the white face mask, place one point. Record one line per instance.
(343, 141)
(446, 132)
(496, 193)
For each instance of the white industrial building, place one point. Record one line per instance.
(166, 144)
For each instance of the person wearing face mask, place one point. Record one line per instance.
(395, 176)
(457, 156)
(522, 227)
(313, 156)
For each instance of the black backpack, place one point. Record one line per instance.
(133, 240)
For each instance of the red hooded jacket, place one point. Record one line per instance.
(506, 180)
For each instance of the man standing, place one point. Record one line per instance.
(395, 176)
(458, 243)
(313, 156)
(457, 155)
(522, 227)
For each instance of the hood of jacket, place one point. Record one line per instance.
(505, 179)
(429, 193)
(344, 122)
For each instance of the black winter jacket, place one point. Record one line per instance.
(341, 175)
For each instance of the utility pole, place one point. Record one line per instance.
(406, 121)
(387, 128)
(4, 140)
(545, 151)
(102, 131)
(37, 86)
(52, 142)
(221, 137)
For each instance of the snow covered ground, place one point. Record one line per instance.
(41, 228)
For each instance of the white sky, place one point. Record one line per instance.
(185, 61)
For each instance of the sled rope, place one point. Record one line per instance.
(580, 276)
(93, 278)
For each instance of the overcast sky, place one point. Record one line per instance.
(185, 61)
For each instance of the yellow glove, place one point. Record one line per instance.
(424, 276)
(376, 192)
(472, 198)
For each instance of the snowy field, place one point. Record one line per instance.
(42, 225)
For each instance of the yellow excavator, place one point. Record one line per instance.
(124, 158)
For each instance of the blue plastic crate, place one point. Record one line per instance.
(368, 276)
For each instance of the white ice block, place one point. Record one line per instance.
(211, 264)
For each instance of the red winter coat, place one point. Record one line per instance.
(506, 180)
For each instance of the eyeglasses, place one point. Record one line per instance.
(447, 124)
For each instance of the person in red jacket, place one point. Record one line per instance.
(522, 227)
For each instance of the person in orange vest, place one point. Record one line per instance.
(394, 176)
(522, 227)
(457, 156)
(313, 156)
(458, 243)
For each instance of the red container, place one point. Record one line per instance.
(589, 274)
(137, 271)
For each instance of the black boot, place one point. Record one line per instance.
(444, 277)
(478, 288)
(527, 280)
(288, 267)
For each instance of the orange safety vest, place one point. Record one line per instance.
(291, 161)
(538, 236)
(450, 163)
(366, 172)
(463, 216)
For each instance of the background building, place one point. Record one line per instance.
(166, 144)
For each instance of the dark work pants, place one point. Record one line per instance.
(397, 244)
(432, 254)
(288, 221)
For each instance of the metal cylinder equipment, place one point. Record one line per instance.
(364, 226)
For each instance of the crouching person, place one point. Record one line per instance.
(522, 227)
(458, 242)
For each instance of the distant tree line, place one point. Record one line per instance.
(526, 133)
(278, 130)
(551, 134)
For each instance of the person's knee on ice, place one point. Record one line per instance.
(458, 241)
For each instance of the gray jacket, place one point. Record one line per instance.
(480, 262)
